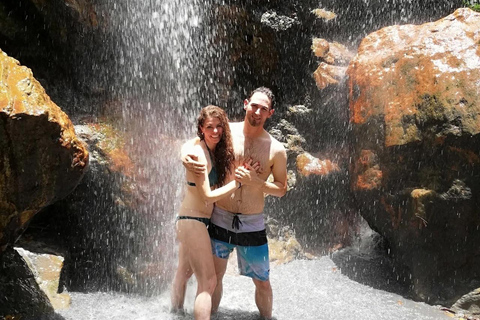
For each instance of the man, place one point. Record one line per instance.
(237, 221)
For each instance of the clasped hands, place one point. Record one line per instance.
(245, 174)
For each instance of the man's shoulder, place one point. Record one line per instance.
(276, 145)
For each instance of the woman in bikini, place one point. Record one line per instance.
(215, 150)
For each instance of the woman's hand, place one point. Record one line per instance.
(246, 176)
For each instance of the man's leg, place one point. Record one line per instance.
(220, 268)
(263, 298)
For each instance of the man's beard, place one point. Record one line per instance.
(254, 123)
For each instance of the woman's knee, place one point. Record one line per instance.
(208, 284)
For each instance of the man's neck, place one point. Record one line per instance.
(250, 131)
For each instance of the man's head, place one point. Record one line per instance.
(259, 106)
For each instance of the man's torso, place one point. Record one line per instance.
(249, 199)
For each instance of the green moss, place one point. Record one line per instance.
(430, 109)
(472, 4)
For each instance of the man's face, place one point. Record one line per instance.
(258, 109)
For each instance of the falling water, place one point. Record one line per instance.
(155, 69)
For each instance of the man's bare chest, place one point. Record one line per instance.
(257, 150)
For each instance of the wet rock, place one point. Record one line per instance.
(47, 268)
(326, 75)
(367, 174)
(115, 215)
(335, 57)
(468, 305)
(414, 106)
(21, 296)
(324, 14)
(277, 22)
(41, 159)
(332, 53)
(308, 164)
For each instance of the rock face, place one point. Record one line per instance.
(415, 111)
(41, 159)
(21, 296)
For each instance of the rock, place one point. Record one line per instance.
(47, 268)
(367, 174)
(324, 14)
(25, 300)
(332, 53)
(414, 109)
(308, 164)
(469, 304)
(424, 79)
(41, 159)
(327, 74)
(320, 47)
(277, 22)
(335, 58)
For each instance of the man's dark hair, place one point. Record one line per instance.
(266, 91)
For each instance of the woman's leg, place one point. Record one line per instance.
(183, 273)
(199, 251)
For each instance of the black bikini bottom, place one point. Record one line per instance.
(206, 221)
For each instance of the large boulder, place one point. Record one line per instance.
(415, 110)
(41, 159)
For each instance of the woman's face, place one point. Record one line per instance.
(212, 130)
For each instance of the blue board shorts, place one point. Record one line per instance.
(246, 234)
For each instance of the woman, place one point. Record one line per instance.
(215, 150)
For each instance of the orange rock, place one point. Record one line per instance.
(326, 75)
(408, 74)
(41, 159)
(308, 164)
(320, 47)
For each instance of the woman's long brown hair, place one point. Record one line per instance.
(223, 154)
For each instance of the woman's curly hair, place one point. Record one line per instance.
(224, 156)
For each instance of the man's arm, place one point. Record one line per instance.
(189, 160)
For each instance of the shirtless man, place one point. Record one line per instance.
(237, 221)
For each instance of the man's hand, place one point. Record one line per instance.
(251, 165)
(190, 162)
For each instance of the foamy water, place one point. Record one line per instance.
(314, 289)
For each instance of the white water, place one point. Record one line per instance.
(314, 289)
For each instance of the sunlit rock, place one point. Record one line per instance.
(367, 174)
(324, 14)
(327, 74)
(278, 22)
(46, 268)
(320, 47)
(21, 296)
(415, 110)
(41, 159)
(308, 164)
(335, 57)
(421, 81)
(332, 53)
